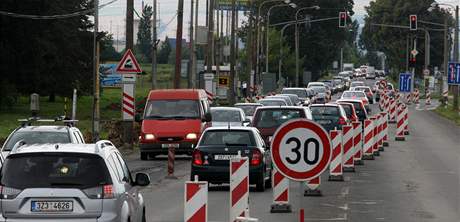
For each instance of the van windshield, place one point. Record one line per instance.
(171, 109)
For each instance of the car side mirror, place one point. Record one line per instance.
(207, 117)
(142, 179)
(138, 118)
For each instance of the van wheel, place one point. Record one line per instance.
(144, 156)
(143, 216)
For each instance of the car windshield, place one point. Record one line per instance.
(353, 94)
(322, 111)
(272, 102)
(365, 89)
(168, 109)
(354, 84)
(299, 92)
(319, 89)
(220, 115)
(274, 118)
(37, 137)
(227, 137)
(54, 170)
(248, 110)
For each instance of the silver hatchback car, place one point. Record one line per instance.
(70, 182)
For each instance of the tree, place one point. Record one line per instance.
(392, 41)
(108, 52)
(144, 35)
(165, 50)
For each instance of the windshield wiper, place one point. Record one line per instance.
(235, 144)
(157, 117)
(183, 117)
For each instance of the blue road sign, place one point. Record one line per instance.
(405, 82)
(453, 77)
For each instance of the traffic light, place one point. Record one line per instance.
(413, 22)
(342, 19)
(412, 61)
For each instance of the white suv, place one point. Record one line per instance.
(70, 182)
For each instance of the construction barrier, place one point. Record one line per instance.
(408, 98)
(400, 124)
(348, 151)
(358, 143)
(406, 120)
(313, 187)
(380, 132)
(385, 128)
(428, 98)
(336, 167)
(387, 104)
(416, 96)
(368, 140)
(392, 110)
(375, 134)
(280, 193)
(239, 187)
(196, 201)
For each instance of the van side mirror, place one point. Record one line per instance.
(138, 118)
(142, 179)
(207, 117)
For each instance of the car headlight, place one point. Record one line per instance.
(149, 137)
(191, 136)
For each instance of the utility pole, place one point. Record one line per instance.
(180, 20)
(455, 89)
(128, 125)
(250, 48)
(194, 51)
(96, 97)
(210, 36)
(232, 56)
(154, 46)
(192, 44)
(446, 58)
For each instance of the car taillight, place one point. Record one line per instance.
(197, 160)
(256, 158)
(342, 121)
(101, 192)
(9, 193)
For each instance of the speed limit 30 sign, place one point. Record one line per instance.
(301, 150)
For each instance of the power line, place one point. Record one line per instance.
(49, 17)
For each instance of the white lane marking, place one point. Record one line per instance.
(344, 207)
(340, 218)
(364, 202)
(380, 218)
(344, 192)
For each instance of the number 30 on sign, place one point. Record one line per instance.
(301, 150)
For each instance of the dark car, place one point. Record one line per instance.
(217, 145)
(349, 111)
(330, 116)
(268, 119)
(359, 108)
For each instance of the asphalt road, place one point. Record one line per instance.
(413, 180)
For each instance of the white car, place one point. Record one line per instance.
(357, 83)
(316, 84)
(248, 109)
(224, 116)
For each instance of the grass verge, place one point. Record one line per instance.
(449, 113)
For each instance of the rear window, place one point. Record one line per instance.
(299, 92)
(225, 115)
(353, 94)
(54, 170)
(274, 118)
(37, 137)
(272, 102)
(324, 111)
(226, 137)
(248, 110)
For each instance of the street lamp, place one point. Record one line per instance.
(297, 63)
(292, 5)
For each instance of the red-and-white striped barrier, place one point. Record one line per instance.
(380, 132)
(392, 110)
(196, 201)
(358, 143)
(385, 128)
(416, 96)
(239, 187)
(128, 106)
(409, 98)
(428, 98)
(368, 140)
(336, 167)
(387, 104)
(280, 193)
(406, 120)
(375, 140)
(313, 187)
(382, 100)
(348, 151)
(400, 125)
(247, 100)
(398, 97)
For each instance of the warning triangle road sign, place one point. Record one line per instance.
(128, 63)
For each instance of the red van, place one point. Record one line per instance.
(173, 118)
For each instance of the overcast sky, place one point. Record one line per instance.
(112, 16)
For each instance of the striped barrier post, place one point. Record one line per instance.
(382, 101)
(247, 100)
(171, 158)
(375, 135)
(398, 97)
(387, 104)
(392, 110)
(380, 132)
(408, 98)
(400, 126)
(336, 167)
(385, 128)
(358, 143)
(246, 218)
(313, 187)
(280, 193)
(196, 201)
(239, 187)
(368, 140)
(348, 151)
(428, 98)
(406, 120)
(417, 96)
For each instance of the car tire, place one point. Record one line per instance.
(260, 185)
(268, 183)
(152, 156)
(143, 216)
(144, 156)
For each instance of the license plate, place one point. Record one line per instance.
(52, 206)
(172, 145)
(324, 121)
(224, 157)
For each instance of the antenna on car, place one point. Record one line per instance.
(228, 125)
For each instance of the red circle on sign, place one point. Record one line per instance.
(275, 149)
